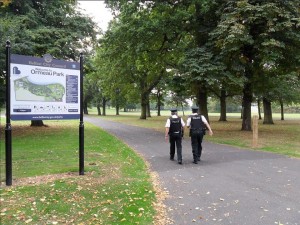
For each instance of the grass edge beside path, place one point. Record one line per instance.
(117, 188)
(282, 137)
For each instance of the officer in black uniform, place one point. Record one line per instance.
(174, 131)
(197, 124)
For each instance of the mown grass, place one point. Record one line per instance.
(116, 187)
(282, 137)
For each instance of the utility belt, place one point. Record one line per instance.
(176, 134)
(197, 131)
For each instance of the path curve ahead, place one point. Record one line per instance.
(229, 186)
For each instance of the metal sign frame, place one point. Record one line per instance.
(73, 82)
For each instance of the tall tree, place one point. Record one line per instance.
(253, 34)
(37, 27)
(228, 45)
(138, 46)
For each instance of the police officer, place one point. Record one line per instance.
(174, 132)
(197, 124)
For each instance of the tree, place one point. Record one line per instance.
(176, 87)
(136, 49)
(37, 27)
(288, 92)
(157, 96)
(258, 33)
(223, 47)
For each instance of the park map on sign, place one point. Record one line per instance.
(28, 91)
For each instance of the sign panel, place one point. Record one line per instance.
(44, 88)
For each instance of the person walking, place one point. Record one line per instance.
(197, 124)
(174, 132)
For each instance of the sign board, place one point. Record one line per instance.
(44, 88)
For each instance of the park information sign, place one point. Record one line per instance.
(44, 88)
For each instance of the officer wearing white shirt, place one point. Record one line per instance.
(174, 132)
(197, 124)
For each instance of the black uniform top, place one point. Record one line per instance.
(175, 125)
(196, 122)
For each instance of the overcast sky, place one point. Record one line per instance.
(97, 11)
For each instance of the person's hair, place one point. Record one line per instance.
(173, 113)
(194, 110)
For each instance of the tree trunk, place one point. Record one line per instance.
(143, 106)
(148, 107)
(99, 109)
(117, 110)
(85, 108)
(247, 100)
(267, 112)
(223, 106)
(158, 96)
(249, 53)
(103, 106)
(281, 110)
(37, 123)
(202, 101)
(242, 112)
(158, 110)
(259, 111)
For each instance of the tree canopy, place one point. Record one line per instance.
(195, 49)
(218, 48)
(37, 27)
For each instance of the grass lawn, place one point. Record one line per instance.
(282, 137)
(117, 187)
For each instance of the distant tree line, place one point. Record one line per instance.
(247, 51)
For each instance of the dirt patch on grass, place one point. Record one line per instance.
(27, 181)
(27, 130)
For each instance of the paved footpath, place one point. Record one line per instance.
(229, 186)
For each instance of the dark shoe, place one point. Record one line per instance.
(172, 158)
(179, 162)
(195, 162)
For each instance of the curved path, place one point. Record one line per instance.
(229, 186)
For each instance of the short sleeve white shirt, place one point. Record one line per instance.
(174, 116)
(188, 122)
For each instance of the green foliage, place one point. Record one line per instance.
(262, 34)
(139, 47)
(244, 47)
(255, 40)
(39, 27)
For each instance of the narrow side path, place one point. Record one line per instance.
(229, 186)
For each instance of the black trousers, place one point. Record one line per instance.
(175, 139)
(196, 141)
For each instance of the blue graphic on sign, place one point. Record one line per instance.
(16, 70)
